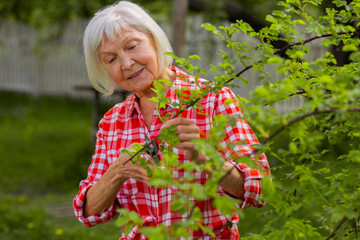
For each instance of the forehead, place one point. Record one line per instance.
(122, 37)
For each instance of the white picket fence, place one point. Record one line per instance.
(53, 69)
(59, 66)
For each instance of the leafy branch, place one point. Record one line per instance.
(294, 120)
(336, 228)
(275, 133)
(305, 164)
(278, 52)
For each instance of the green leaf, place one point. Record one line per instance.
(274, 60)
(154, 233)
(191, 57)
(169, 135)
(128, 228)
(354, 156)
(225, 205)
(271, 19)
(229, 101)
(299, 22)
(349, 48)
(121, 221)
(209, 27)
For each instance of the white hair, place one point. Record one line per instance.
(109, 22)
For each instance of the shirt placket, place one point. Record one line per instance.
(151, 134)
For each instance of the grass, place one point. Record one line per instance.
(44, 144)
(45, 149)
(33, 218)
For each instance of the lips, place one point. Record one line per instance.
(135, 74)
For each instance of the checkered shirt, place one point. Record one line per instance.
(123, 125)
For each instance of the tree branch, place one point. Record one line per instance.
(294, 120)
(138, 152)
(337, 228)
(291, 122)
(297, 93)
(251, 66)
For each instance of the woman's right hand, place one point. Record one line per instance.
(122, 169)
(102, 195)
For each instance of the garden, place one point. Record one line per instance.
(313, 190)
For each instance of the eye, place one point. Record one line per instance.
(132, 46)
(111, 60)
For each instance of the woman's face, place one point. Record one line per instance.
(131, 61)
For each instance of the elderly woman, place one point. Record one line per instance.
(125, 47)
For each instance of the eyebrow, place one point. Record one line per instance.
(105, 53)
(131, 37)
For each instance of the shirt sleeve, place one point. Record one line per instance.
(245, 139)
(97, 168)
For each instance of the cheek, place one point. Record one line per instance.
(153, 62)
(149, 58)
(115, 73)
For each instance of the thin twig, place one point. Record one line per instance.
(277, 131)
(294, 120)
(260, 61)
(298, 177)
(297, 93)
(291, 122)
(306, 41)
(337, 228)
(137, 153)
(186, 107)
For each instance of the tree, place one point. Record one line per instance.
(314, 150)
(180, 8)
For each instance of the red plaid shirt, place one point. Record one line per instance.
(123, 125)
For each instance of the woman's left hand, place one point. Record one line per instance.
(187, 130)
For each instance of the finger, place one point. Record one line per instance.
(191, 128)
(186, 146)
(136, 172)
(177, 121)
(124, 157)
(197, 157)
(188, 137)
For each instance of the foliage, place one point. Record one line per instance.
(44, 14)
(50, 17)
(28, 218)
(315, 189)
(313, 195)
(43, 141)
(43, 156)
(21, 221)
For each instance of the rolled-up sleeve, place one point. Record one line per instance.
(243, 141)
(92, 220)
(97, 168)
(252, 186)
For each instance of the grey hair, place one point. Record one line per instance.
(109, 22)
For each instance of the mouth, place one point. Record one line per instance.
(135, 74)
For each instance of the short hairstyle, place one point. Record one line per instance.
(109, 22)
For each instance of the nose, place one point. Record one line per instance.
(126, 62)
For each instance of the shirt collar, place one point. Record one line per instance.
(178, 85)
(132, 104)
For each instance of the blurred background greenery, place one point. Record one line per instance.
(45, 149)
(46, 141)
